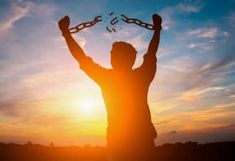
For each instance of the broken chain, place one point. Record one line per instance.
(85, 25)
(137, 22)
(112, 22)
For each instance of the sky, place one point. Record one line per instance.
(45, 97)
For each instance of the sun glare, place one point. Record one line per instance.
(87, 106)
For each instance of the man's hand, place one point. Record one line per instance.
(157, 20)
(64, 23)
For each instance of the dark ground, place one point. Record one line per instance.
(190, 151)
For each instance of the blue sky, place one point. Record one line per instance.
(191, 98)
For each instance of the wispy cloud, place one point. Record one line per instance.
(169, 13)
(202, 45)
(20, 9)
(206, 37)
(16, 13)
(190, 8)
(202, 75)
(190, 80)
(211, 33)
(197, 94)
(208, 116)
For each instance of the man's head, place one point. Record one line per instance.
(122, 55)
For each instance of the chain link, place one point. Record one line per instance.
(137, 22)
(85, 25)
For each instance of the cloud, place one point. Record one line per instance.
(218, 65)
(232, 96)
(204, 32)
(208, 45)
(11, 104)
(206, 37)
(164, 51)
(186, 80)
(164, 122)
(211, 33)
(213, 115)
(209, 89)
(139, 42)
(206, 116)
(9, 108)
(208, 120)
(20, 9)
(17, 12)
(202, 75)
(169, 14)
(189, 8)
(198, 93)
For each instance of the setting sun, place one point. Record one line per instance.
(87, 106)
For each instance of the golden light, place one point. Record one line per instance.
(87, 106)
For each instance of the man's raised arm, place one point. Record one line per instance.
(153, 46)
(93, 70)
(148, 68)
(74, 48)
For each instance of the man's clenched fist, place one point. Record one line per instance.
(64, 23)
(157, 20)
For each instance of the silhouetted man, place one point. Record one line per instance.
(130, 132)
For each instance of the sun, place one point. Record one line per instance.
(87, 106)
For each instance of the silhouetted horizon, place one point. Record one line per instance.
(53, 144)
(189, 151)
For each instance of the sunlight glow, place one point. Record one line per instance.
(87, 106)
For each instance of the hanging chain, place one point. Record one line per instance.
(137, 22)
(85, 25)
